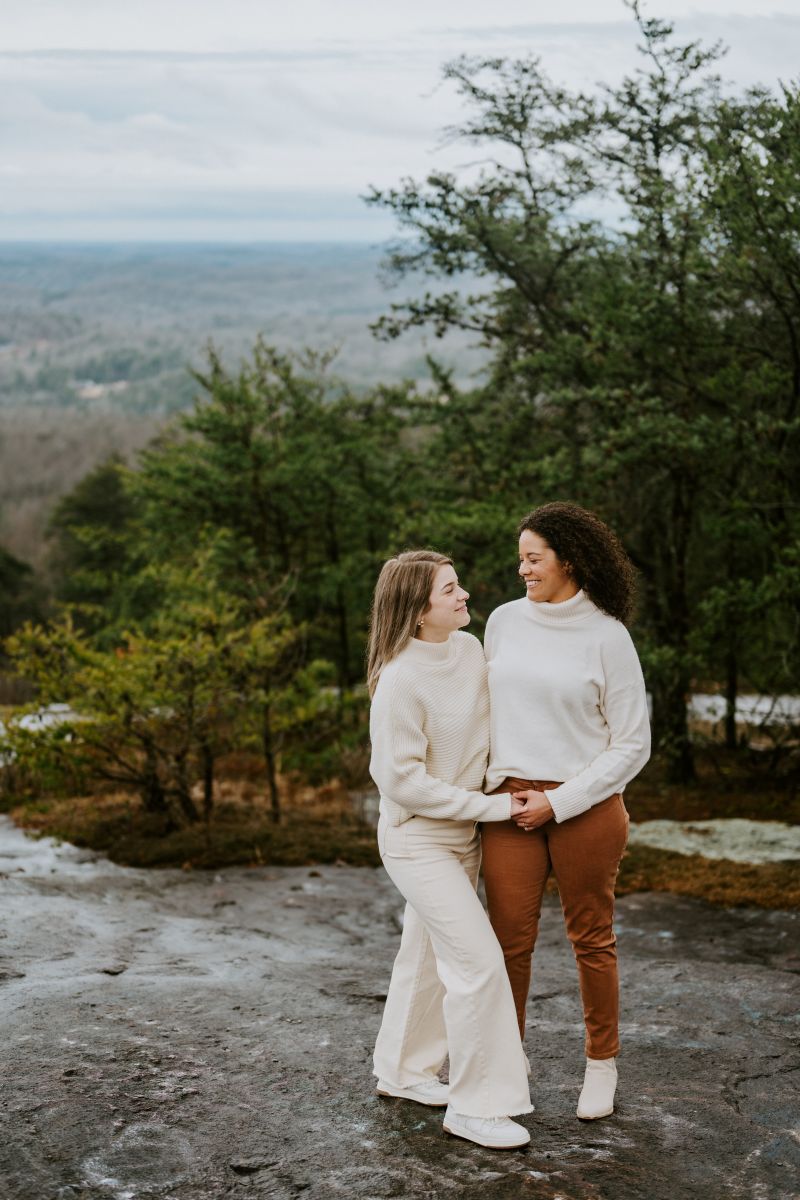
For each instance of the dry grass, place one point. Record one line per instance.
(317, 827)
(718, 881)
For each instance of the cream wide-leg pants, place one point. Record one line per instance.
(449, 990)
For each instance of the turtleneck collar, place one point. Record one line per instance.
(576, 608)
(430, 652)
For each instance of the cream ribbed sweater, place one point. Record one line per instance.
(429, 726)
(568, 701)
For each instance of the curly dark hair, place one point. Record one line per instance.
(590, 551)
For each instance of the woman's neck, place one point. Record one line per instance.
(432, 635)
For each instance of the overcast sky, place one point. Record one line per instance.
(266, 119)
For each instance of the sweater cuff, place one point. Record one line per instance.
(498, 807)
(569, 800)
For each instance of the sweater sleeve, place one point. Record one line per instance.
(399, 748)
(624, 706)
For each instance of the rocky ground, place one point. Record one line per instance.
(181, 1034)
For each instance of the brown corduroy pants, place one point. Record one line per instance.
(583, 854)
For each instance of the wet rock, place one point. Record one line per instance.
(250, 1166)
(233, 1057)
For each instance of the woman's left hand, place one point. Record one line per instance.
(537, 810)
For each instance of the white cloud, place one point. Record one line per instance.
(250, 24)
(249, 116)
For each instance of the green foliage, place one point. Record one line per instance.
(259, 516)
(92, 547)
(648, 367)
(301, 476)
(156, 712)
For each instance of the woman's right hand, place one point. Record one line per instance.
(536, 808)
(517, 806)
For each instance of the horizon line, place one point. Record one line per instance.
(243, 243)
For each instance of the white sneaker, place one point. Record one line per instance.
(599, 1085)
(497, 1133)
(433, 1093)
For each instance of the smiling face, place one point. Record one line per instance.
(545, 577)
(447, 607)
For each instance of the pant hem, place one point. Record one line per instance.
(487, 1116)
(414, 1082)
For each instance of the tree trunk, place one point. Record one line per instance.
(183, 792)
(671, 728)
(670, 603)
(272, 771)
(678, 744)
(344, 642)
(152, 789)
(208, 782)
(208, 789)
(343, 649)
(731, 695)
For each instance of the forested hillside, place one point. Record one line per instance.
(82, 324)
(96, 343)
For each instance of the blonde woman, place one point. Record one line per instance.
(449, 991)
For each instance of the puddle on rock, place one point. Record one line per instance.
(142, 1157)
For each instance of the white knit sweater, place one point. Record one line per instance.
(429, 726)
(568, 701)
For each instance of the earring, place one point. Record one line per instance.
(420, 624)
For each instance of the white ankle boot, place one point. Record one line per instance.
(496, 1133)
(599, 1085)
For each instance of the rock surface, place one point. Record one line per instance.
(735, 838)
(172, 1034)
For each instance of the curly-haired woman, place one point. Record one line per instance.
(429, 726)
(570, 729)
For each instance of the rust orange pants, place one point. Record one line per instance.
(584, 855)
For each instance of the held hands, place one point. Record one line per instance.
(517, 807)
(530, 809)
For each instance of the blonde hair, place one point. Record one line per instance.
(402, 594)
